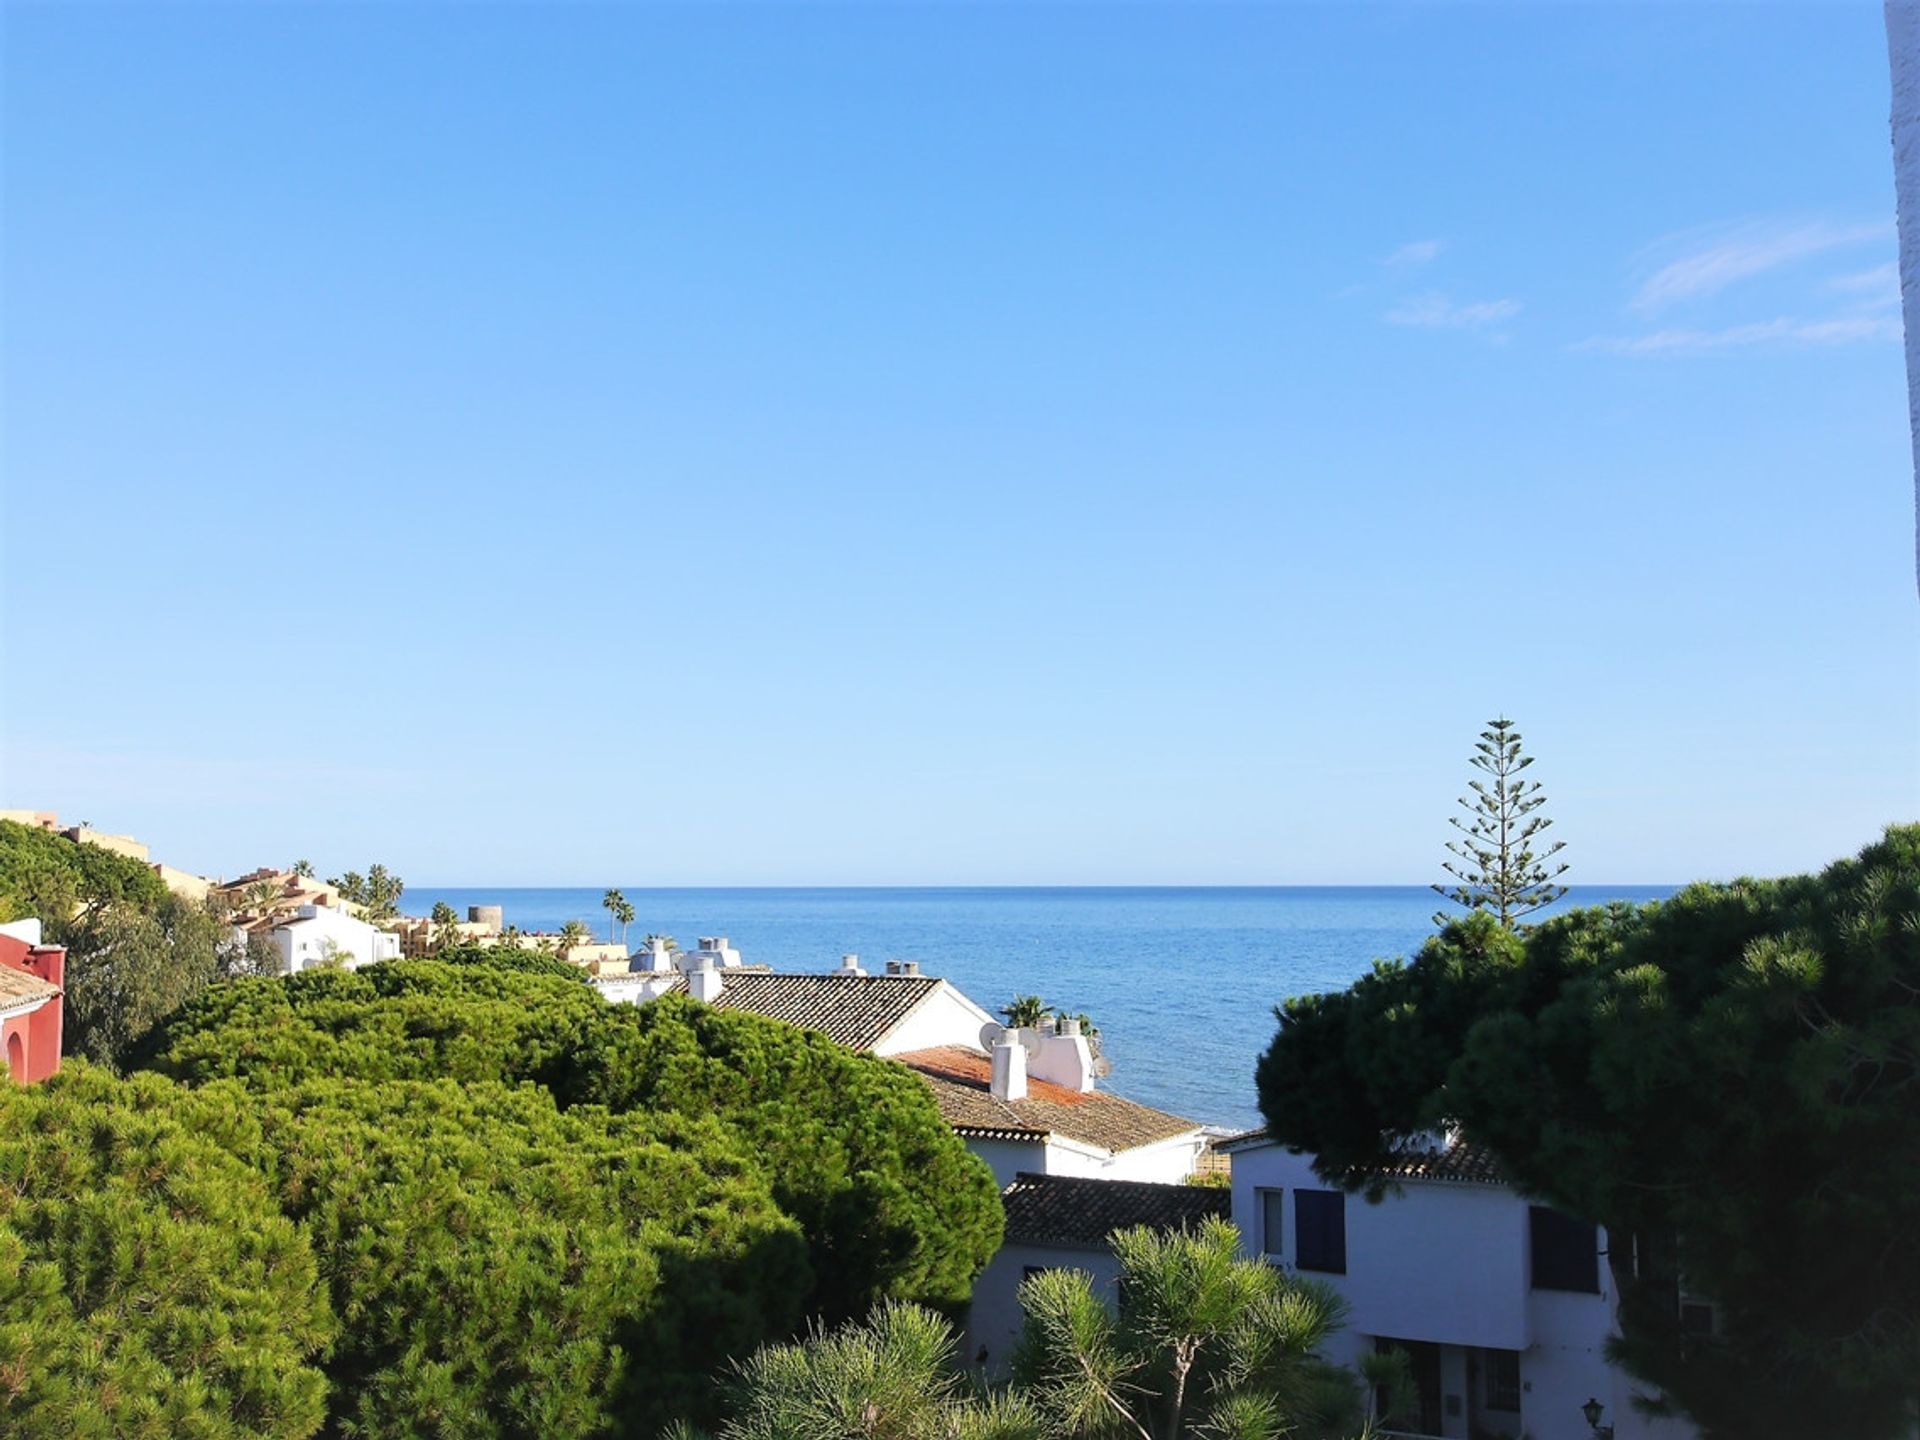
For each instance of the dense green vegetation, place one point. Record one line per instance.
(1726, 1080)
(520, 1211)
(1206, 1343)
(44, 874)
(135, 950)
(854, 1147)
(149, 1287)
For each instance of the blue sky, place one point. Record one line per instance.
(953, 444)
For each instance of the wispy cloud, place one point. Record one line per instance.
(1784, 332)
(1705, 262)
(1881, 284)
(1413, 253)
(1434, 311)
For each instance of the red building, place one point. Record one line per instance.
(31, 1004)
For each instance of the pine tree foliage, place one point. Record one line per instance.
(1725, 1081)
(1205, 1344)
(891, 1202)
(1495, 865)
(149, 1286)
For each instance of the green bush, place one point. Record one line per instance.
(148, 1285)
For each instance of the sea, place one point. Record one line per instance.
(1182, 982)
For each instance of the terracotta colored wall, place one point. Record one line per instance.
(39, 1033)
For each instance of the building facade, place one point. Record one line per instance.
(32, 1002)
(1503, 1307)
(321, 936)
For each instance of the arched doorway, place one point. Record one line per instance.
(17, 1057)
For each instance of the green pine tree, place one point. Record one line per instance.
(1495, 865)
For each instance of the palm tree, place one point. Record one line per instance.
(1024, 1012)
(303, 868)
(618, 911)
(573, 933)
(672, 945)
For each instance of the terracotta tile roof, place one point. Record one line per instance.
(858, 1011)
(1466, 1161)
(1082, 1213)
(18, 987)
(962, 1084)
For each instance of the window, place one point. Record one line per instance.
(1273, 1214)
(1566, 1252)
(1502, 1380)
(1320, 1231)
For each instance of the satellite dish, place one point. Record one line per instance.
(990, 1034)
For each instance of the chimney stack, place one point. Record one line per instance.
(1064, 1057)
(1009, 1068)
(850, 965)
(704, 982)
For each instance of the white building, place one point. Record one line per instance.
(322, 935)
(1028, 1105)
(1504, 1307)
(1059, 1222)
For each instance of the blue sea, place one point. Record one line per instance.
(1181, 981)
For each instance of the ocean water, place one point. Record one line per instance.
(1181, 981)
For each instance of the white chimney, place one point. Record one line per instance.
(1009, 1068)
(1065, 1058)
(850, 965)
(704, 982)
(656, 956)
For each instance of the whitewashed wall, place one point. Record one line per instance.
(1448, 1262)
(994, 1321)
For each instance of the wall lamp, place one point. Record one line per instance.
(1593, 1410)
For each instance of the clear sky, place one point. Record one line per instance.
(973, 444)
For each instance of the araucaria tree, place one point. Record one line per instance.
(1495, 866)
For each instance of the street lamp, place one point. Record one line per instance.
(1593, 1410)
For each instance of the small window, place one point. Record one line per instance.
(1565, 1252)
(1503, 1380)
(1273, 1214)
(1320, 1231)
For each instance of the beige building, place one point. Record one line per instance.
(119, 844)
(182, 882)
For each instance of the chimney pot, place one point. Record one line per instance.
(704, 982)
(1009, 1069)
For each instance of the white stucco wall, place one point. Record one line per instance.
(945, 1017)
(1903, 47)
(303, 942)
(1448, 1263)
(1168, 1163)
(994, 1321)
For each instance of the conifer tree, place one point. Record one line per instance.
(1495, 866)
